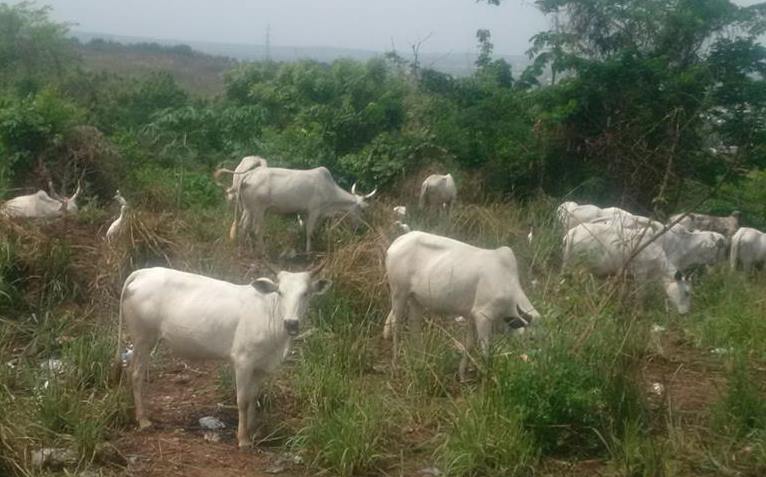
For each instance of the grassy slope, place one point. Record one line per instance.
(198, 73)
(580, 401)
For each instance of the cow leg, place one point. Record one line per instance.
(252, 414)
(470, 340)
(414, 318)
(259, 227)
(391, 328)
(244, 377)
(311, 221)
(483, 332)
(141, 355)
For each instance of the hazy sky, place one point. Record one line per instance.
(364, 24)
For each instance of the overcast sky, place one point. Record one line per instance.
(364, 24)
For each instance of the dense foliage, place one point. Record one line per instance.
(645, 108)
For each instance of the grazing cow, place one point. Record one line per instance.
(606, 248)
(748, 246)
(246, 165)
(571, 214)
(689, 249)
(238, 174)
(312, 193)
(456, 279)
(203, 318)
(626, 219)
(40, 205)
(723, 225)
(438, 190)
(400, 211)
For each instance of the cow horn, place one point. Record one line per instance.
(76, 192)
(368, 196)
(314, 270)
(353, 188)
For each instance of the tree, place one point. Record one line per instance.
(649, 86)
(33, 49)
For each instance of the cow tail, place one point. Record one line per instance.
(734, 252)
(117, 365)
(233, 228)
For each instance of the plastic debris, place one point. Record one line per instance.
(127, 356)
(658, 389)
(54, 457)
(211, 423)
(53, 365)
(430, 471)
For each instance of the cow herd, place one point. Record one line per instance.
(252, 325)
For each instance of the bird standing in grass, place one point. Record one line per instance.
(119, 224)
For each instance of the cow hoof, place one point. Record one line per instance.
(144, 424)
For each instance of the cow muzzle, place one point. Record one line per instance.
(292, 327)
(523, 319)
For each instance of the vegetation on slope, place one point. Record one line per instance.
(638, 101)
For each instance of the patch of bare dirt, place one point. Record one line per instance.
(177, 395)
(690, 380)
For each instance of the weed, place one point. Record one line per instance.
(349, 440)
(486, 438)
(742, 410)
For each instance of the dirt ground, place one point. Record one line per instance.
(179, 393)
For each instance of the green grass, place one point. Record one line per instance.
(571, 389)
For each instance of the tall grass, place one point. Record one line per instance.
(569, 389)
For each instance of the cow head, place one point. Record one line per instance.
(521, 319)
(360, 203)
(68, 204)
(294, 292)
(679, 291)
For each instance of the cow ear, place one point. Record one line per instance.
(678, 276)
(265, 286)
(320, 286)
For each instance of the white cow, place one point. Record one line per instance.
(438, 189)
(684, 248)
(606, 248)
(238, 174)
(312, 193)
(400, 211)
(748, 246)
(723, 225)
(40, 205)
(687, 249)
(203, 318)
(455, 279)
(571, 214)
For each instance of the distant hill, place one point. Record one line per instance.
(458, 64)
(199, 73)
